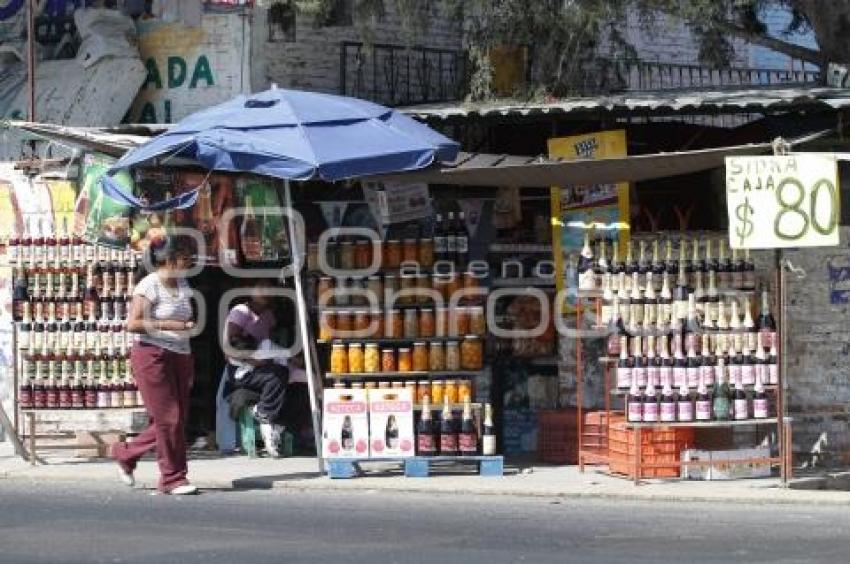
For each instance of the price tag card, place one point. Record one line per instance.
(782, 201)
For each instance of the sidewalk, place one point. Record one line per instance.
(239, 472)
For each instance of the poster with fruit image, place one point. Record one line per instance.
(215, 196)
(97, 217)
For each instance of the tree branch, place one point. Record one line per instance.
(794, 51)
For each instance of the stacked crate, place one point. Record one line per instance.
(661, 449)
(595, 433)
(557, 436)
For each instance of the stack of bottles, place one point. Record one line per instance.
(690, 349)
(447, 436)
(70, 302)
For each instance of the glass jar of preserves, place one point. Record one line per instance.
(388, 360)
(461, 324)
(346, 255)
(450, 391)
(423, 289)
(313, 257)
(378, 249)
(359, 292)
(452, 355)
(394, 326)
(423, 390)
(375, 287)
(471, 282)
(371, 385)
(436, 357)
(426, 253)
(397, 385)
(341, 293)
(344, 323)
(361, 323)
(441, 322)
(390, 288)
(427, 323)
(405, 360)
(383, 385)
(340, 385)
(392, 253)
(464, 390)
(376, 324)
(471, 353)
(362, 254)
(355, 358)
(358, 386)
(453, 285)
(436, 392)
(324, 291)
(339, 358)
(439, 282)
(332, 254)
(327, 324)
(411, 324)
(477, 321)
(420, 357)
(410, 251)
(372, 358)
(407, 289)
(411, 385)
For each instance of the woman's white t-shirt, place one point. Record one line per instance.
(166, 303)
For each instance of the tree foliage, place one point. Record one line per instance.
(567, 37)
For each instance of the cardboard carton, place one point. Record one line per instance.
(345, 424)
(391, 423)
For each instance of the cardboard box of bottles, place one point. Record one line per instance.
(721, 468)
(345, 424)
(391, 423)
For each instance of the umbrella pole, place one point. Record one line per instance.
(297, 260)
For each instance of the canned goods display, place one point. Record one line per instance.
(404, 360)
(375, 287)
(477, 321)
(392, 254)
(327, 325)
(420, 357)
(464, 390)
(423, 289)
(388, 363)
(394, 327)
(410, 251)
(427, 323)
(355, 358)
(436, 356)
(344, 323)
(376, 320)
(411, 324)
(460, 327)
(407, 289)
(346, 255)
(423, 390)
(339, 358)
(452, 355)
(450, 391)
(372, 358)
(472, 353)
(361, 323)
(437, 392)
(362, 254)
(441, 322)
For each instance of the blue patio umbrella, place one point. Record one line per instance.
(291, 135)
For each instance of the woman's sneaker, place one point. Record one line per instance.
(185, 489)
(271, 438)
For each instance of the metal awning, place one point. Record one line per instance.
(501, 170)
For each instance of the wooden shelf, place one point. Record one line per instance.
(443, 374)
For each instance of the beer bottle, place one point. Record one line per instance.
(467, 439)
(448, 433)
(488, 440)
(426, 445)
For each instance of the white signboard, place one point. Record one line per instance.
(393, 202)
(782, 201)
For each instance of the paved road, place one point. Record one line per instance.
(63, 522)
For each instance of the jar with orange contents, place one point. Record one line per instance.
(440, 283)
(437, 392)
(453, 285)
(423, 390)
(420, 357)
(375, 290)
(388, 363)
(398, 385)
(471, 282)
(327, 324)
(472, 353)
(426, 253)
(411, 385)
(361, 323)
(427, 323)
(477, 321)
(411, 324)
(436, 357)
(450, 390)
(461, 325)
(392, 253)
(394, 326)
(390, 288)
(441, 322)
(464, 390)
(344, 323)
(346, 255)
(371, 358)
(376, 327)
(423, 289)
(407, 289)
(324, 290)
(355, 358)
(362, 254)
(405, 360)
(452, 355)
(410, 251)
(339, 358)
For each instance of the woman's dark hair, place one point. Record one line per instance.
(160, 251)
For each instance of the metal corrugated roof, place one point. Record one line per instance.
(751, 99)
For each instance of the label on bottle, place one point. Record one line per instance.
(748, 374)
(467, 443)
(741, 409)
(692, 376)
(635, 411)
(721, 407)
(488, 445)
(686, 410)
(707, 373)
(624, 377)
(462, 243)
(666, 373)
(50, 253)
(103, 398)
(38, 253)
(650, 412)
(448, 443)
(425, 444)
(760, 408)
(734, 373)
(773, 373)
(668, 411)
(640, 375)
(653, 376)
(767, 338)
(680, 376)
(703, 410)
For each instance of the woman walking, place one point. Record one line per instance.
(161, 317)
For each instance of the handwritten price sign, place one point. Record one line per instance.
(783, 201)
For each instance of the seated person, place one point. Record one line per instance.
(254, 364)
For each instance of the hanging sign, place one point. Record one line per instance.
(394, 202)
(782, 201)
